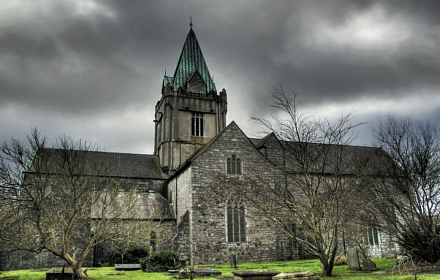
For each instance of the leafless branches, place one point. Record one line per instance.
(411, 193)
(320, 185)
(62, 199)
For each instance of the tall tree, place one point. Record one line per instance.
(320, 184)
(410, 194)
(61, 199)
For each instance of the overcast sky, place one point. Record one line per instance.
(93, 69)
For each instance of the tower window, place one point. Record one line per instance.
(197, 124)
(233, 165)
(235, 222)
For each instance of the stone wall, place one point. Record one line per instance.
(157, 186)
(181, 239)
(22, 259)
(45, 259)
(26, 260)
(180, 186)
(174, 143)
(273, 151)
(387, 247)
(100, 253)
(264, 242)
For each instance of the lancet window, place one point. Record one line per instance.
(233, 165)
(197, 124)
(235, 222)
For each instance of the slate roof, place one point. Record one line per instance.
(191, 60)
(352, 159)
(255, 141)
(119, 164)
(352, 156)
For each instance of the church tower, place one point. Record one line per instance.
(190, 111)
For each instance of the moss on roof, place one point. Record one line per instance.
(191, 61)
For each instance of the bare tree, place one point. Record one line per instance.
(320, 184)
(64, 201)
(410, 194)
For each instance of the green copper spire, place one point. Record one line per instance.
(190, 63)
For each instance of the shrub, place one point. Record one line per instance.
(160, 261)
(125, 255)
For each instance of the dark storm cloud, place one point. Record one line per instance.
(93, 69)
(27, 47)
(347, 68)
(86, 64)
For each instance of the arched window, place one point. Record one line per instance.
(373, 237)
(238, 166)
(233, 165)
(235, 222)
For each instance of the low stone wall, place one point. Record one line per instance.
(26, 260)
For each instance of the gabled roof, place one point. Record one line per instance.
(191, 60)
(208, 145)
(264, 140)
(116, 164)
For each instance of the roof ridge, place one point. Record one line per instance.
(330, 144)
(104, 152)
(125, 165)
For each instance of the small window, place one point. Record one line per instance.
(197, 125)
(238, 166)
(153, 241)
(233, 165)
(235, 222)
(295, 245)
(159, 132)
(373, 237)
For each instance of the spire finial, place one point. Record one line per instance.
(165, 71)
(190, 22)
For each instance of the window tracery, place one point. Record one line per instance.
(235, 222)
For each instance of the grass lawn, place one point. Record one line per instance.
(340, 271)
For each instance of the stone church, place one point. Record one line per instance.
(194, 143)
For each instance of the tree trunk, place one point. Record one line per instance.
(79, 274)
(326, 269)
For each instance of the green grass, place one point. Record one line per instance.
(340, 271)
